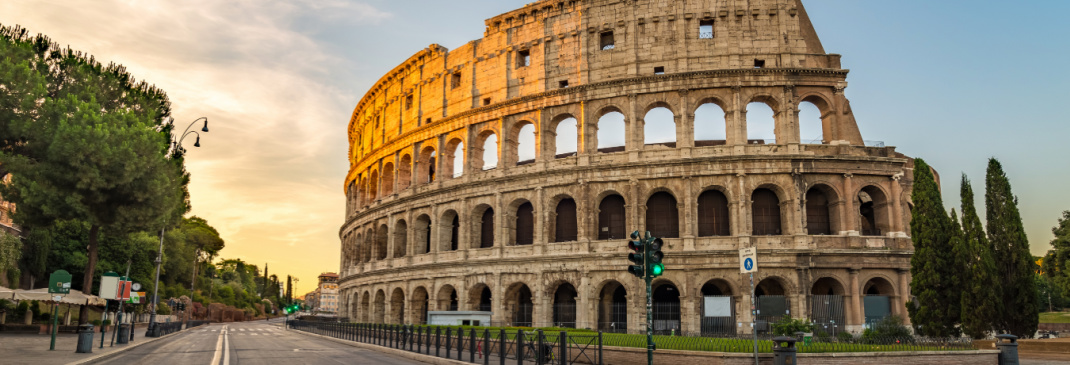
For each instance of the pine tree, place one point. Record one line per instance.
(930, 230)
(956, 276)
(981, 302)
(1010, 249)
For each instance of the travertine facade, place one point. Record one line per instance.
(540, 242)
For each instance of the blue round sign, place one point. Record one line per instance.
(748, 264)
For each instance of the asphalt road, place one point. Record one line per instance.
(250, 343)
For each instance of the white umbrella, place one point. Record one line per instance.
(6, 293)
(36, 294)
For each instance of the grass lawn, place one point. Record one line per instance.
(1055, 317)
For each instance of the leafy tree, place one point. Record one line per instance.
(10, 251)
(37, 244)
(86, 142)
(981, 302)
(1010, 248)
(930, 230)
(1056, 268)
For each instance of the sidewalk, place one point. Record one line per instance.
(33, 349)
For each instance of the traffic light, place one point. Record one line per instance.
(654, 256)
(636, 256)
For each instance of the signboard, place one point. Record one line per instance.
(59, 282)
(748, 260)
(109, 285)
(124, 288)
(135, 297)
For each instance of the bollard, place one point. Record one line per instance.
(1008, 349)
(85, 339)
(122, 334)
(784, 351)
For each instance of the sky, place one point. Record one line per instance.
(952, 81)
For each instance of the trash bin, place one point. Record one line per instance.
(123, 335)
(784, 351)
(85, 339)
(1008, 349)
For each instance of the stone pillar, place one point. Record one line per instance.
(685, 125)
(855, 318)
(736, 119)
(895, 213)
(849, 213)
(499, 221)
(904, 295)
(584, 305)
(633, 205)
(498, 303)
(540, 217)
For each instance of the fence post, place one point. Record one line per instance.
(599, 347)
(486, 347)
(448, 338)
(460, 343)
(472, 345)
(519, 347)
(438, 338)
(562, 351)
(538, 347)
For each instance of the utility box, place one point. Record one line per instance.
(455, 318)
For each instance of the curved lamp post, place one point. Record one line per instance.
(177, 149)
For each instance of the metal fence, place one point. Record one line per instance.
(191, 324)
(482, 345)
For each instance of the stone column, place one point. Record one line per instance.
(584, 306)
(736, 119)
(685, 125)
(898, 224)
(855, 318)
(849, 213)
(904, 295)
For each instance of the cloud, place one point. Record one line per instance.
(269, 173)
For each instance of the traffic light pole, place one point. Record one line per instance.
(649, 322)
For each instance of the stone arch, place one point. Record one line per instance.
(484, 157)
(874, 211)
(828, 285)
(382, 235)
(808, 131)
(717, 307)
(449, 231)
(820, 208)
(365, 307)
(613, 307)
(401, 234)
(480, 297)
(519, 304)
(565, 219)
(482, 226)
(353, 306)
(658, 120)
(405, 172)
(828, 307)
(710, 122)
(419, 302)
(663, 214)
(422, 234)
(611, 130)
(388, 179)
(373, 183)
(522, 143)
(426, 165)
(453, 155)
(666, 297)
(878, 285)
(766, 217)
(397, 306)
(379, 307)
(564, 141)
(447, 298)
(612, 216)
(878, 294)
(564, 304)
(521, 223)
(714, 218)
(762, 130)
(369, 241)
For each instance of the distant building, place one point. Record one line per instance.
(6, 208)
(325, 298)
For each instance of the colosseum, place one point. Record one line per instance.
(504, 175)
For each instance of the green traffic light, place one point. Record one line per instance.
(656, 269)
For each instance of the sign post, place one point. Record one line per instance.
(58, 283)
(748, 264)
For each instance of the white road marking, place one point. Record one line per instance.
(218, 346)
(226, 350)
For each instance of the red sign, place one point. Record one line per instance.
(124, 290)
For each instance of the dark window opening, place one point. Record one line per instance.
(525, 224)
(523, 58)
(428, 121)
(660, 70)
(662, 217)
(705, 29)
(611, 218)
(566, 221)
(486, 234)
(484, 300)
(408, 102)
(486, 101)
(455, 80)
(606, 41)
(453, 301)
(759, 63)
(817, 213)
(712, 214)
(562, 83)
(456, 225)
(765, 213)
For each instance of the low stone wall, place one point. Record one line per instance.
(1054, 327)
(635, 356)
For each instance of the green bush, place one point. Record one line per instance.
(95, 322)
(845, 336)
(163, 309)
(106, 322)
(889, 327)
(787, 326)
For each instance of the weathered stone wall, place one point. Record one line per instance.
(398, 254)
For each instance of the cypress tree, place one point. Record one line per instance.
(956, 276)
(1010, 249)
(930, 230)
(981, 302)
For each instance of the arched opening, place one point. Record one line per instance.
(388, 179)
(827, 309)
(567, 138)
(761, 124)
(873, 211)
(713, 214)
(611, 132)
(489, 153)
(565, 221)
(666, 308)
(765, 213)
(818, 219)
(369, 241)
(659, 127)
(354, 307)
(419, 304)
(456, 159)
(447, 298)
(877, 300)
(486, 228)
(772, 303)
(810, 126)
(405, 172)
(426, 164)
(401, 233)
(718, 308)
(710, 126)
(397, 307)
(525, 145)
(525, 224)
(662, 217)
(379, 313)
(611, 218)
(448, 231)
(481, 298)
(613, 308)
(373, 192)
(564, 315)
(423, 234)
(380, 242)
(364, 308)
(520, 305)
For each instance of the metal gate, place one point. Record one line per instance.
(771, 308)
(666, 318)
(718, 315)
(827, 313)
(876, 308)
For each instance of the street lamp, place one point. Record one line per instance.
(178, 150)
